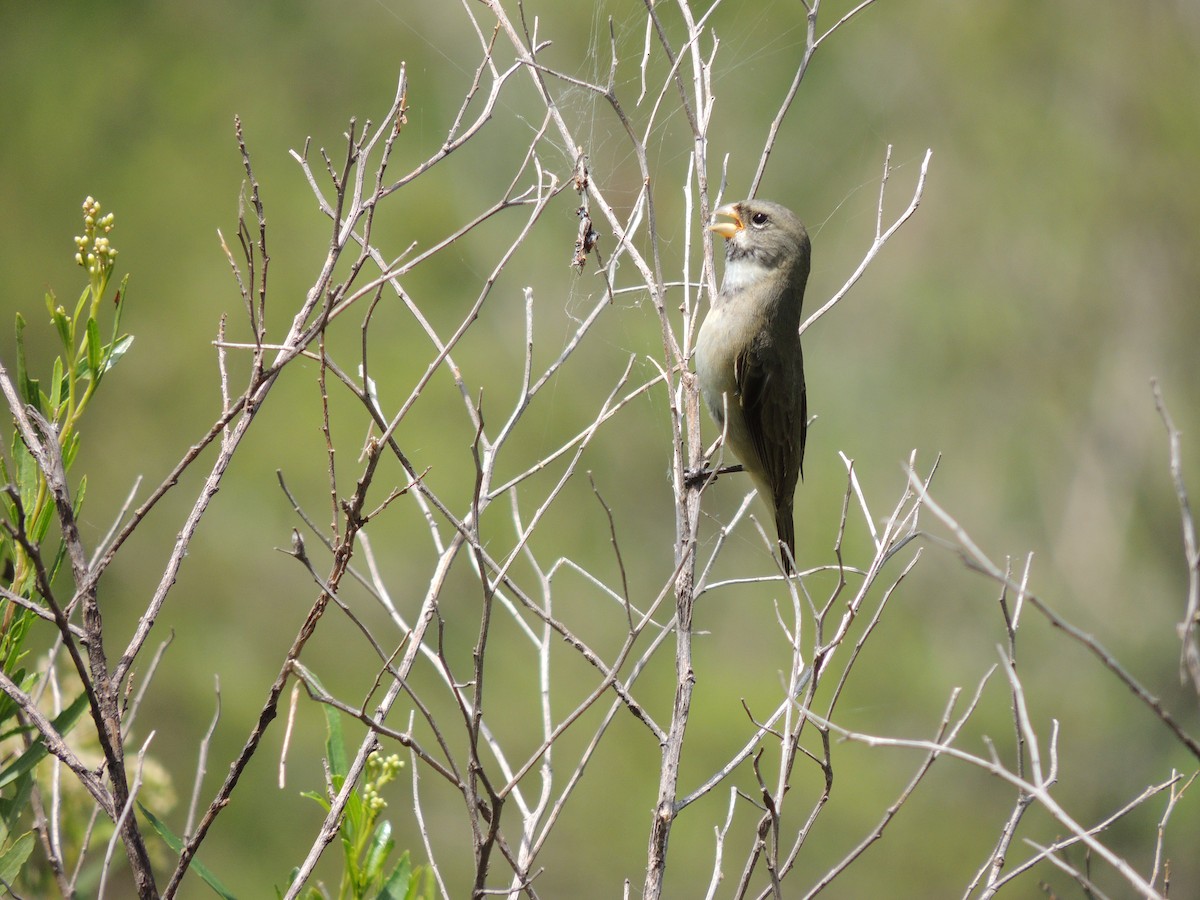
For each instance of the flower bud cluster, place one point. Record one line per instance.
(93, 250)
(380, 770)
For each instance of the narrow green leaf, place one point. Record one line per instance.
(377, 853)
(355, 823)
(94, 349)
(30, 391)
(309, 894)
(11, 663)
(83, 299)
(291, 880)
(26, 761)
(70, 449)
(400, 884)
(13, 857)
(172, 841)
(28, 475)
(58, 387)
(61, 323)
(335, 747)
(14, 807)
(119, 307)
(41, 525)
(114, 352)
(19, 333)
(16, 729)
(313, 795)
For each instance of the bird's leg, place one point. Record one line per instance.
(703, 474)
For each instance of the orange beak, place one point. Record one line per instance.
(727, 229)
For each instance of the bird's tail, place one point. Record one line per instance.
(786, 528)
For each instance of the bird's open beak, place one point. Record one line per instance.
(728, 229)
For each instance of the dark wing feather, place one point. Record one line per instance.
(776, 422)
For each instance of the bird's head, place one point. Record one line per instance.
(764, 233)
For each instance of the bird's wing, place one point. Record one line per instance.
(775, 422)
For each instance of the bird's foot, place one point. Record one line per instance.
(702, 475)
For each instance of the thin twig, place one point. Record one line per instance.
(976, 559)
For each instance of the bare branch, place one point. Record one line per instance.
(880, 239)
(1189, 663)
(1043, 797)
(976, 559)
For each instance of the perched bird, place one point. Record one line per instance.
(748, 358)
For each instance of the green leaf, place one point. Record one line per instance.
(18, 675)
(94, 349)
(30, 391)
(354, 825)
(320, 798)
(83, 299)
(400, 885)
(115, 351)
(18, 728)
(120, 305)
(335, 747)
(309, 894)
(28, 475)
(381, 847)
(26, 761)
(61, 323)
(70, 449)
(41, 525)
(13, 857)
(14, 807)
(171, 840)
(58, 388)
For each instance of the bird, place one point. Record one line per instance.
(748, 359)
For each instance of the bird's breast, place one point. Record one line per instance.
(718, 345)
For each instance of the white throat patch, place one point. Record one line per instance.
(741, 273)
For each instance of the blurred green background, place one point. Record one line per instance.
(1012, 326)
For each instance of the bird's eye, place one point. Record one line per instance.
(759, 219)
